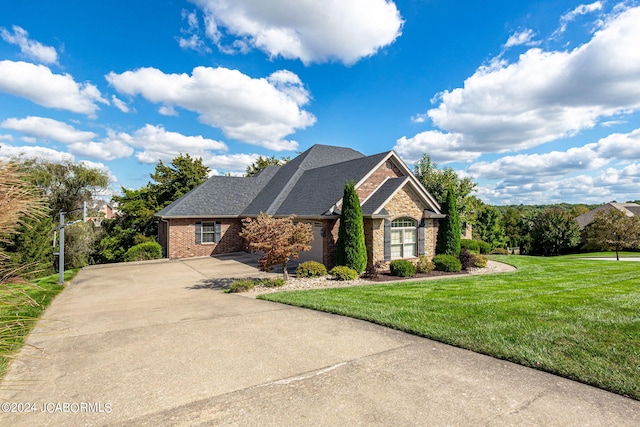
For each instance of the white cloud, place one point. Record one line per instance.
(524, 37)
(538, 167)
(6, 137)
(38, 84)
(167, 110)
(119, 104)
(582, 9)
(442, 147)
(312, 31)
(547, 95)
(258, 111)
(159, 144)
(620, 146)
(8, 151)
(106, 150)
(30, 48)
(190, 38)
(48, 129)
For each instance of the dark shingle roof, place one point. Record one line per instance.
(382, 194)
(271, 198)
(219, 196)
(319, 189)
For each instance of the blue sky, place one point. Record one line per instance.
(537, 101)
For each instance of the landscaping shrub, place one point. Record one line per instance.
(311, 269)
(467, 259)
(373, 271)
(272, 283)
(424, 264)
(484, 247)
(402, 268)
(241, 285)
(470, 245)
(144, 251)
(343, 273)
(447, 263)
(500, 251)
(481, 261)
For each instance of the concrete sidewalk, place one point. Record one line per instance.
(156, 344)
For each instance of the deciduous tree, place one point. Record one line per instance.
(280, 239)
(351, 250)
(612, 229)
(554, 231)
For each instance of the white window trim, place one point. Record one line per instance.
(414, 245)
(212, 233)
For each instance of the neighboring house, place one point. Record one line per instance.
(400, 216)
(629, 209)
(98, 210)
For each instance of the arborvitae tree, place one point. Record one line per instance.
(351, 250)
(449, 231)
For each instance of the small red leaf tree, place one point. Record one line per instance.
(279, 239)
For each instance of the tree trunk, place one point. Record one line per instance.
(285, 273)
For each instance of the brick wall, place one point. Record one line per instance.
(330, 229)
(182, 238)
(387, 170)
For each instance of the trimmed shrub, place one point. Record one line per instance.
(470, 245)
(448, 240)
(272, 283)
(424, 264)
(343, 273)
(311, 269)
(351, 250)
(500, 251)
(485, 247)
(144, 251)
(402, 268)
(447, 263)
(241, 285)
(467, 259)
(481, 261)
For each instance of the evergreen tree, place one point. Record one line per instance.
(351, 250)
(448, 242)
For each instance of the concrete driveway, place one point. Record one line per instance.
(155, 343)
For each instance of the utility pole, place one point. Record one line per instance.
(61, 227)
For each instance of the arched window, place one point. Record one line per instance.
(404, 238)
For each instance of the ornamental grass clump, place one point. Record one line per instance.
(402, 268)
(424, 264)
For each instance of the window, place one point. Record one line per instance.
(208, 232)
(404, 238)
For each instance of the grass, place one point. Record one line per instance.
(21, 304)
(612, 254)
(572, 317)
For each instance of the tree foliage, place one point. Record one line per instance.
(438, 181)
(448, 241)
(280, 239)
(612, 229)
(553, 232)
(262, 162)
(488, 227)
(176, 179)
(351, 250)
(65, 185)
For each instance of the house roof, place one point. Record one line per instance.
(629, 209)
(310, 185)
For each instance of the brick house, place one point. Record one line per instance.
(400, 216)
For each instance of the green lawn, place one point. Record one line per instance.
(576, 318)
(20, 307)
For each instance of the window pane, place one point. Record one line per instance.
(410, 236)
(403, 222)
(410, 251)
(208, 234)
(396, 251)
(396, 236)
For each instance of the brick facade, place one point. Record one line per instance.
(387, 170)
(182, 238)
